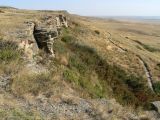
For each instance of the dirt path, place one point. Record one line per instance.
(143, 63)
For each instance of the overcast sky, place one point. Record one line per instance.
(92, 7)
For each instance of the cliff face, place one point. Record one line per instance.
(42, 34)
(54, 65)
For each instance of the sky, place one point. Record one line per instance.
(92, 7)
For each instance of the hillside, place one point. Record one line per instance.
(54, 65)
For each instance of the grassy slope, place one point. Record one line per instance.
(83, 60)
(91, 72)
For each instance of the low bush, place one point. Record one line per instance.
(68, 39)
(158, 65)
(2, 11)
(71, 76)
(97, 32)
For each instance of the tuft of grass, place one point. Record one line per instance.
(158, 65)
(10, 58)
(36, 83)
(9, 51)
(71, 76)
(97, 32)
(68, 39)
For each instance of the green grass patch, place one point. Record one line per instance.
(9, 51)
(68, 39)
(60, 47)
(71, 76)
(157, 87)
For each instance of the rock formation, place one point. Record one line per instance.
(41, 34)
(156, 106)
(29, 45)
(46, 35)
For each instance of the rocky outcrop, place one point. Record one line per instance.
(45, 38)
(156, 106)
(62, 21)
(41, 34)
(29, 45)
(45, 35)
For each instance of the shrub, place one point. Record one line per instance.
(158, 65)
(1, 11)
(134, 83)
(68, 39)
(97, 32)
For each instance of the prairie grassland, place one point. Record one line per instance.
(86, 62)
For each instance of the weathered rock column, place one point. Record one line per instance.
(45, 39)
(28, 44)
(47, 32)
